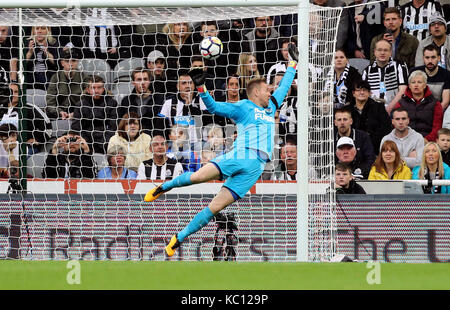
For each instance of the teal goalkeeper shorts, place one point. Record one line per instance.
(240, 168)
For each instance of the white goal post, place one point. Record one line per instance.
(314, 242)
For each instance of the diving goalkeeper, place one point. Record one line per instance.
(252, 149)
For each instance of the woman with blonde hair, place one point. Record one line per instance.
(116, 165)
(129, 135)
(247, 70)
(176, 44)
(41, 58)
(389, 165)
(432, 168)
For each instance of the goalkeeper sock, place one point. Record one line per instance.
(198, 222)
(179, 181)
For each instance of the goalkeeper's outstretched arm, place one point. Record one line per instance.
(225, 109)
(289, 76)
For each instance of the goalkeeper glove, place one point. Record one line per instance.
(198, 76)
(293, 55)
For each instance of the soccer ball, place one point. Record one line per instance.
(211, 48)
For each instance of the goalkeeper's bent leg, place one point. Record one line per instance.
(221, 201)
(198, 222)
(180, 181)
(204, 174)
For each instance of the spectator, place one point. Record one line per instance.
(345, 182)
(230, 34)
(345, 76)
(283, 59)
(130, 137)
(343, 21)
(160, 167)
(141, 100)
(439, 38)
(181, 148)
(389, 165)
(363, 27)
(38, 125)
(369, 115)
(287, 169)
(409, 142)
(156, 64)
(365, 155)
(403, 45)
(41, 57)
(444, 144)
(217, 68)
(425, 112)
(9, 148)
(116, 165)
(9, 52)
(67, 36)
(177, 43)
(262, 41)
(247, 70)
(387, 77)
(432, 168)
(70, 157)
(96, 117)
(287, 116)
(198, 62)
(206, 156)
(183, 109)
(438, 77)
(102, 40)
(231, 93)
(416, 14)
(64, 91)
(321, 50)
(346, 153)
(215, 140)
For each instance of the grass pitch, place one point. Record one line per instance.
(107, 275)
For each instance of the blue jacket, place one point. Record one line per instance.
(444, 189)
(105, 173)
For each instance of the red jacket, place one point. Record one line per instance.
(425, 115)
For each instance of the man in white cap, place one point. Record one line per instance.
(343, 128)
(438, 30)
(346, 154)
(156, 63)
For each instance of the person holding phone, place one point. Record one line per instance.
(70, 157)
(404, 45)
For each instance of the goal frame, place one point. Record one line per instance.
(302, 78)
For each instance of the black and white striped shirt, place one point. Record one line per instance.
(384, 81)
(415, 20)
(148, 170)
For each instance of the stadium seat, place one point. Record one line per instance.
(60, 127)
(35, 164)
(122, 71)
(37, 97)
(100, 160)
(359, 63)
(91, 66)
(121, 90)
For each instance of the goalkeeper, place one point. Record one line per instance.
(242, 166)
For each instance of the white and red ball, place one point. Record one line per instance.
(211, 48)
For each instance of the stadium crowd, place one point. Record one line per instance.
(116, 102)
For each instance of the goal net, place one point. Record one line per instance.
(102, 111)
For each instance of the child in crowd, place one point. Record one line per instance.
(443, 141)
(344, 182)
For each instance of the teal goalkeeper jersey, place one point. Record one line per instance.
(256, 125)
